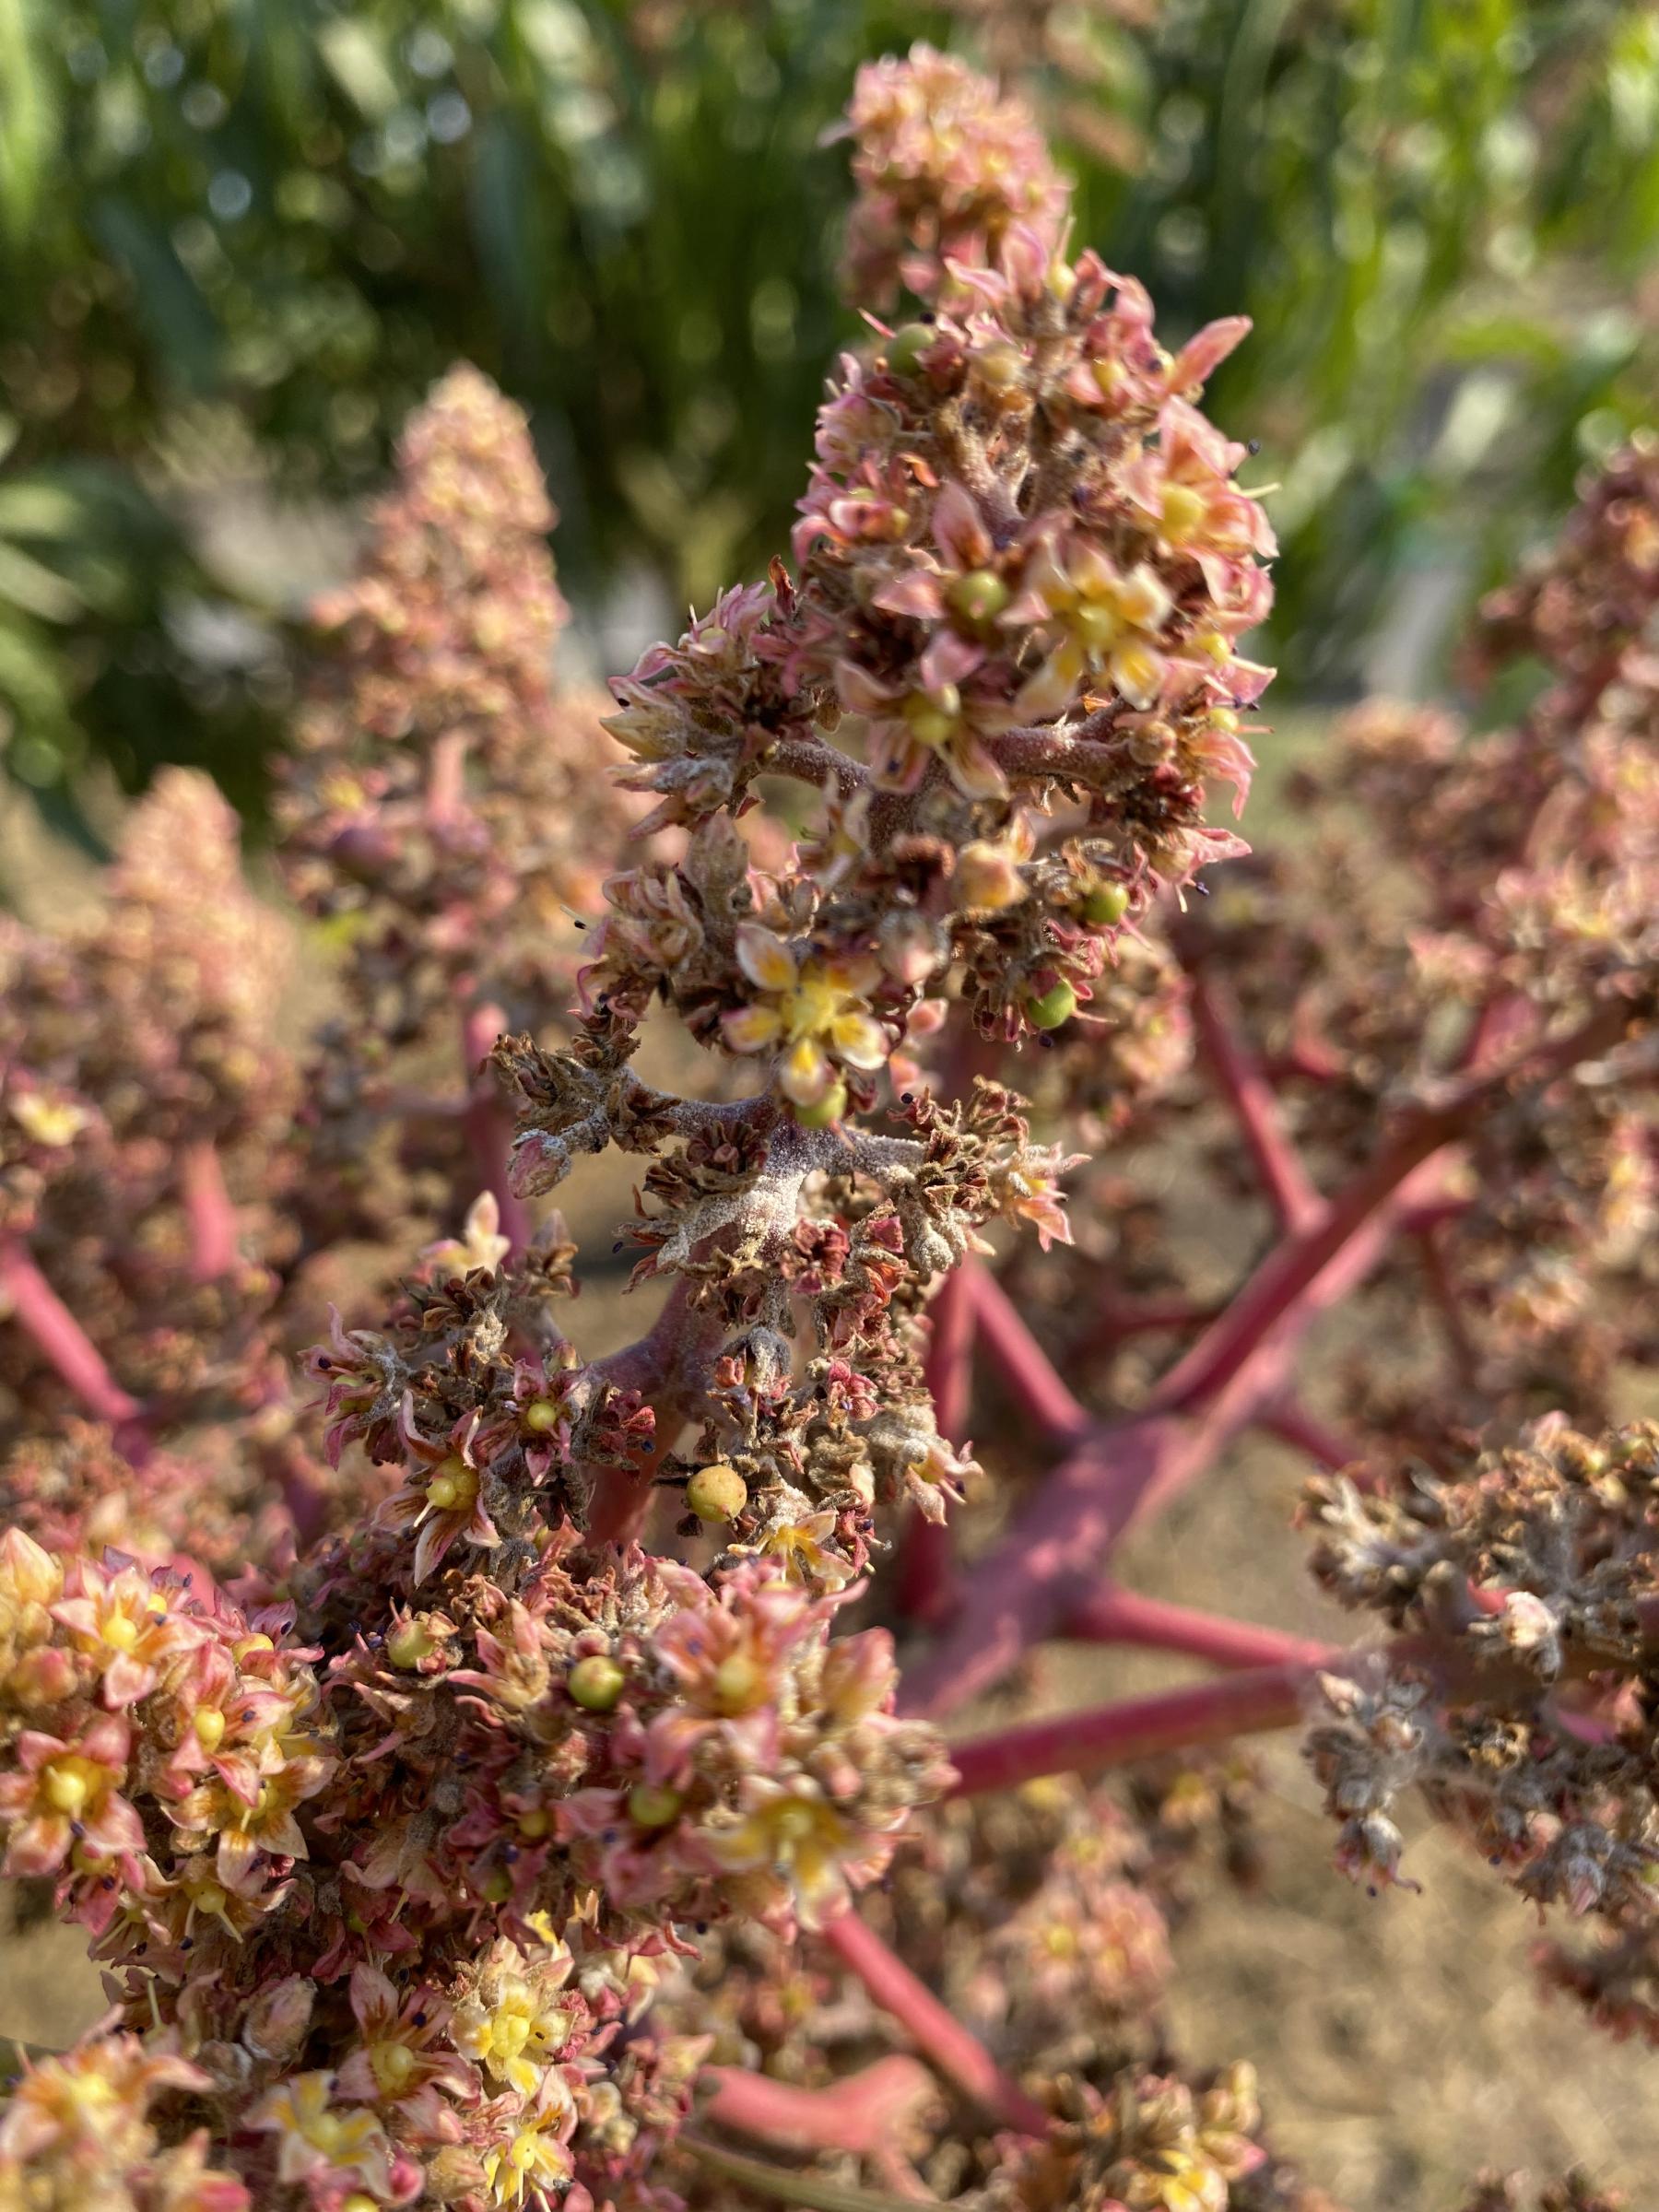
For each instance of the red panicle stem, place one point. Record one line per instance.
(208, 1207)
(1025, 1367)
(1292, 1424)
(665, 1367)
(1048, 1561)
(1249, 1093)
(959, 2056)
(863, 2114)
(1292, 1268)
(1112, 1615)
(925, 1570)
(59, 1337)
(488, 1122)
(1115, 1736)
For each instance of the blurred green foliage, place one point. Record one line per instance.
(239, 237)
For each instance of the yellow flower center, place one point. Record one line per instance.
(932, 717)
(393, 2066)
(1184, 510)
(120, 1633)
(454, 1486)
(736, 1680)
(69, 1783)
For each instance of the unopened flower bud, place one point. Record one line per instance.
(999, 366)
(717, 1492)
(278, 2021)
(988, 878)
(911, 946)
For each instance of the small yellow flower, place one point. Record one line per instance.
(794, 1833)
(48, 1121)
(314, 2135)
(511, 2025)
(534, 2155)
(812, 1012)
(1109, 620)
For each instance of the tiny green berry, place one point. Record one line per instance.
(1057, 1004)
(907, 346)
(717, 1492)
(541, 1416)
(651, 1804)
(409, 1644)
(979, 597)
(827, 1111)
(1105, 904)
(596, 1682)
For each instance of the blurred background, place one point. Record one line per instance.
(239, 237)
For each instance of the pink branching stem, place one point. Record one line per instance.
(1112, 1615)
(959, 2056)
(1116, 1319)
(446, 785)
(1248, 1703)
(208, 1208)
(665, 1367)
(1250, 1095)
(865, 2114)
(925, 1569)
(1026, 1369)
(1438, 1274)
(59, 1337)
(1113, 1736)
(1290, 1421)
(1288, 1270)
(1048, 1560)
(488, 1121)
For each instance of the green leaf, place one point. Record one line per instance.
(28, 118)
(180, 323)
(28, 583)
(356, 57)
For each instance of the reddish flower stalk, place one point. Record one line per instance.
(488, 1122)
(1251, 1097)
(1025, 1368)
(1118, 1319)
(1135, 1728)
(863, 2113)
(1290, 1421)
(1437, 1272)
(925, 1569)
(1288, 1270)
(1112, 1615)
(1047, 1561)
(211, 1215)
(956, 2053)
(61, 1339)
(663, 1366)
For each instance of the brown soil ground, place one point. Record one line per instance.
(1402, 2042)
